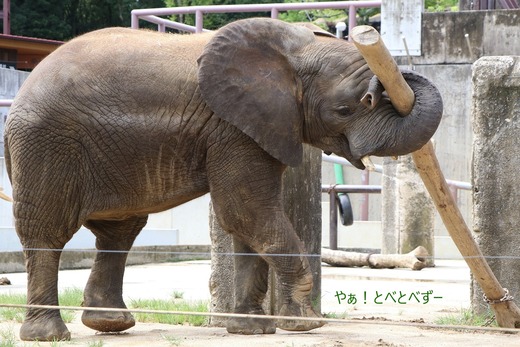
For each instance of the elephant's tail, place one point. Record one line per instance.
(8, 167)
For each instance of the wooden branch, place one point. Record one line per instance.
(414, 260)
(377, 56)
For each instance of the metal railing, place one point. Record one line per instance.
(152, 14)
(365, 188)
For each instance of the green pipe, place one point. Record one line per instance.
(338, 172)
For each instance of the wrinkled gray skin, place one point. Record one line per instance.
(118, 124)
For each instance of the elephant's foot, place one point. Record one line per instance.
(108, 321)
(251, 326)
(45, 329)
(296, 310)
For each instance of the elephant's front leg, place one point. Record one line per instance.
(287, 256)
(273, 237)
(246, 190)
(251, 273)
(105, 285)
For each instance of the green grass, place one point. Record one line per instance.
(335, 315)
(12, 314)
(172, 340)
(74, 297)
(69, 297)
(468, 317)
(7, 338)
(167, 305)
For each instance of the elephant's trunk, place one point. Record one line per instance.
(394, 135)
(415, 130)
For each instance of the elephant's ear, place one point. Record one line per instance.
(246, 77)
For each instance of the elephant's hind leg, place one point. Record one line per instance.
(105, 285)
(251, 272)
(42, 256)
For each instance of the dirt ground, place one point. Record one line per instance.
(369, 333)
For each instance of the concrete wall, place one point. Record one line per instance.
(496, 107)
(10, 81)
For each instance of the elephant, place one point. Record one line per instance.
(120, 123)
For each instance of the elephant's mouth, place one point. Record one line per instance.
(357, 163)
(354, 160)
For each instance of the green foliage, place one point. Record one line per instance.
(441, 5)
(214, 21)
(166, 305)
(328, 18)
(64, 19)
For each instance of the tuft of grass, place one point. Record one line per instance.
(7, 338)
(172, 340)
(12, 314)
(335, 315)
(165, 305)
(468, 317)
(178, 294)
(98, 343)
(70, 297)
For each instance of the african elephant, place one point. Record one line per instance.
(118, 123)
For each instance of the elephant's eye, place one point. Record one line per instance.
(343, 110)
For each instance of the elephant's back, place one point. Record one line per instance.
(116, 58)
(107, 83)
(114, 72)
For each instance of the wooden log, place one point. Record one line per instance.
(506, 312)
(415, 260)
(371, 46)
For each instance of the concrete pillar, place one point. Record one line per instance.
(496, 163)
(222, 268)
(407, 212)
(302, 198)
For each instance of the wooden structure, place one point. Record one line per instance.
(24, 53)
(19, 52)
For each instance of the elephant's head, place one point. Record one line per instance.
(284, 84)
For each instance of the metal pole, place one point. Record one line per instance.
(134, 21)
(333, 223)
(365, 178)
(352, 21)
(199, 21)
(7, 17)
